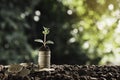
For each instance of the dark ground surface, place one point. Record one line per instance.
(69, 72)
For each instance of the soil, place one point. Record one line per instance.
(68, 72)
(44, 48)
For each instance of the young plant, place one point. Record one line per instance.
(45, 41)
(44, 53)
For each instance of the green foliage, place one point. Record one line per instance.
(84, 31)
(84, 28)
(14, 46)
(95, 29)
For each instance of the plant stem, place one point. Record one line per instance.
(44, 43)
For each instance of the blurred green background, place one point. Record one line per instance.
(84, 31)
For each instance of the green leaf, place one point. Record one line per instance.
(49, 42)
(38, 40)
(46, 30)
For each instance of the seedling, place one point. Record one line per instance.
(44, 54)
(44, 41)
